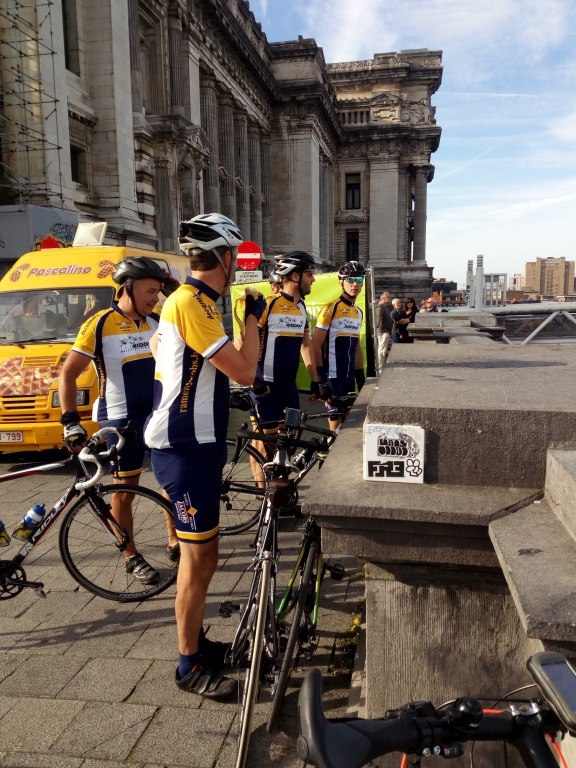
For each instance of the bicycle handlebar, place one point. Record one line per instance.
(353, 743)
(287, 441)
(87, 456)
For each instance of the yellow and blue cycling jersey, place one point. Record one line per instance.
(342, 322)
(191, 396)
(120, 349)
(282, 327)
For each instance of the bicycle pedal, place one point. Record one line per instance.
(337, 571)
(291, 511)
(40, 592)
(227, 608)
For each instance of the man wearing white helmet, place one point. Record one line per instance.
(187, 429)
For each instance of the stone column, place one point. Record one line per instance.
(175, 58)
(163, 205)
(330, 196)
(321, 209)
(383, 251)
(226, 152)
(255, 171)
(420, 190)
(326, 208)
(266, 208)
(136, 75)
(243, 197)
(209, 111)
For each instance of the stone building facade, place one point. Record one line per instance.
(155, 110)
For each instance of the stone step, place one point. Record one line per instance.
(538, 560)
(560, 487)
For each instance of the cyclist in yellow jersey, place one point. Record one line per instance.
(187, 430)
(337, 351)
(284, 338)
(117, 341)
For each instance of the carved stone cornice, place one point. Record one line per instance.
(416, 59)
(349, 217)
(190, 140)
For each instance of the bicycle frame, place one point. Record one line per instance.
(258, 632)
(311, 534)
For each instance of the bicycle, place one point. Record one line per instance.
(242, 496)
(91, 542)
(418, 729)
(262, 626)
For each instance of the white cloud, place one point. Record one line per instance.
(564, 128)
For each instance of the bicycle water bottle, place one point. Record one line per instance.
(4, 535)
(30, 522)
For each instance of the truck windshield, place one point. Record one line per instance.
(48, 314)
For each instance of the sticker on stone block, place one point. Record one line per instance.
(394, 453)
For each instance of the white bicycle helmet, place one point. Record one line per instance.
(208, 231)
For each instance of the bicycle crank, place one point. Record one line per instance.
(13, 581)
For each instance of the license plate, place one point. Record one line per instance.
(11, 437)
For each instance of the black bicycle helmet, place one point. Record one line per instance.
(351, 269)
(298, 261)
(207, 231)
(274, 279)
(138, 268)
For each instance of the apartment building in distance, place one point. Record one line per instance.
(553, 276)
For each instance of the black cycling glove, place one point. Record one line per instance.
(254, 306)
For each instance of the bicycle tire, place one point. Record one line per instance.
(240, 497)
(95, 561)
(252, 678)
(283, 677)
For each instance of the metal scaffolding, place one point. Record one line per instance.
(28, 119)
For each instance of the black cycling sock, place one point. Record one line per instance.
(187, 663)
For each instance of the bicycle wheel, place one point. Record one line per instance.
(293, 637)
(91, 553)
(240, 496)
(252, 679)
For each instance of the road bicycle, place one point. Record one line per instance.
(91, 542)
(264, 631)
(242, 496)
(419, 730)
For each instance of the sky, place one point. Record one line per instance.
(505, 178)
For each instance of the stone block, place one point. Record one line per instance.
(538, 558)
(561, 487)
(490, 413)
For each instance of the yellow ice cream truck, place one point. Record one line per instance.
(44, 299)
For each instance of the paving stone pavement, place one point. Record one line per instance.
(89, 683)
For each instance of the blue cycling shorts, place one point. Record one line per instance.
(131, 457)
(192, 476)
(269, 408)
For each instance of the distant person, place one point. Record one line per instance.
(400, 330)
(384, 326)
(431, 305)
(410, 310)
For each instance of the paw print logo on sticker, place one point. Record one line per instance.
(413, 467)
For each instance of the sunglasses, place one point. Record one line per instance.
(358, 280)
